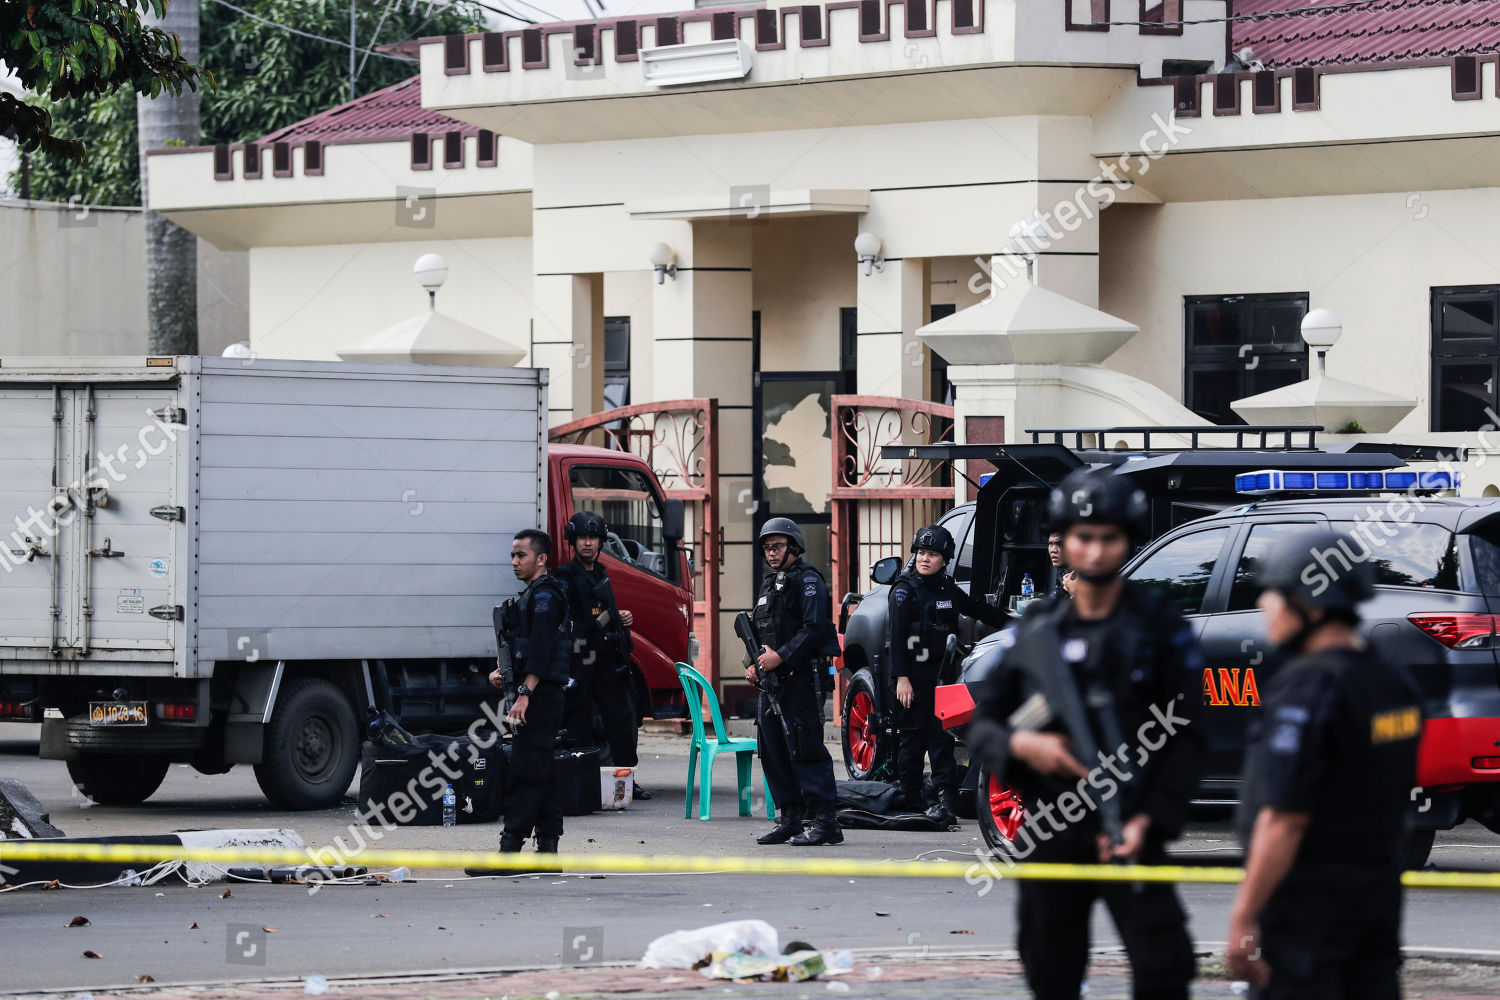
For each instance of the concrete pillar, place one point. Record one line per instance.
(568, 338)
(703, 346)
(892, 303)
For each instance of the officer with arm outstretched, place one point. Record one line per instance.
(925, 605)
(793, 623)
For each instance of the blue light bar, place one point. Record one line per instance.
(984, 478)
(1268, 481)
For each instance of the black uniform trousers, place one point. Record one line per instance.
(797, 765)
(922, 736)
(1333, 932)
(1054, 926)
(604, 686)
(533, 802)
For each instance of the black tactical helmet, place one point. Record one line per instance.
(585, 522)
(1098, 496)
(936, 538)
(1320, 569)
(784, 526)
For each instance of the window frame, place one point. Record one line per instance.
(1212, 596)
(1474, 351)
(1242, 539)
(1231, 358)
(669, 550)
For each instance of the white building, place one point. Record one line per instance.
(1182, 220)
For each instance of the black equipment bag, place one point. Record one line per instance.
(479, 789)
(576, 771)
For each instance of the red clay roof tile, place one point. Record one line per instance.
(392, 113)
(1378, 31)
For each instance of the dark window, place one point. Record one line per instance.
(1465, 357)
(624, 498)
(1263, 539)
(616, 361)
(848, 349)
(1238, 346)
(941, 390)
(1404, 555)
(1485, 546)
(1181, 570)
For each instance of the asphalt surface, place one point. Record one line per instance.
(444, 921)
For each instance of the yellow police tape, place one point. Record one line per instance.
(375, 859)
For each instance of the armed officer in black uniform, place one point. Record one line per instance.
(541, 647)
(1328, 784)
(793, 624)
(1124, 665)
(602, 646)
(925, 605)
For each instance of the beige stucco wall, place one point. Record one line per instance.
(306, 302)
(1372, 259)
(805, 271)
(74, 283)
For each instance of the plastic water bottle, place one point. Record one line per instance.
(1028, 588)
(450, 806)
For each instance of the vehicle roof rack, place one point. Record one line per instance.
(1265, 433)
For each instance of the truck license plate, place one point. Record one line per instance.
(117, 713)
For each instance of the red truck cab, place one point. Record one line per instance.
(648, 567)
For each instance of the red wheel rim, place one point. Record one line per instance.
(861, 731)
(1006, 809)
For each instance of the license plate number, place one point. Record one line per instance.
(117, 713)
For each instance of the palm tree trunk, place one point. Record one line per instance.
(171, 251)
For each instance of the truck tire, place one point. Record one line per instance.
(114, 780)
(869, 754)
(312, 747)
(1000, 813)
(1415, 851)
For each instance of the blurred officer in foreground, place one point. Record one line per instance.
(1111, 675)
(541, 649)
(925, 605)
(793, 624)
(1328, 784)
(601, 647)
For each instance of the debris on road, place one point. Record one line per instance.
(692, 949)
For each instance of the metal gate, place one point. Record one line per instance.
(679, 439)
(879, 503)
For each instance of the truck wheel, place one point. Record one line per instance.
(311, 748)
(118, 781)
(1000, 813)
(868, 753)
(1417, 847)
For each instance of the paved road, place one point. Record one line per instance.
(448, 922)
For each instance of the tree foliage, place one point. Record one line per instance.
(267, 78)
(82, 50)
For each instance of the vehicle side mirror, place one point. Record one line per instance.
(886, 570)
(673, 519)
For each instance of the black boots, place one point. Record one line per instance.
(789, 827)
(941, 811)
(824, 830)
(509, 844)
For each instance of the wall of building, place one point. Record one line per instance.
(805, 271)
(307, 302)
(75, 284)
(1372, 259)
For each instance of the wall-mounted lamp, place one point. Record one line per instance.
(663, 258)
(867, 246)
(1028, 236)
(431, 271)
(1321, 329)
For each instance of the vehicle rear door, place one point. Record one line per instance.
(1189, 567)
(1238, 660)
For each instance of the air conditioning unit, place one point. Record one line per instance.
(696, 62)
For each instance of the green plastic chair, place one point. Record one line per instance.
(697, 688)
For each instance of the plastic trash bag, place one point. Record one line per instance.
(689, 949)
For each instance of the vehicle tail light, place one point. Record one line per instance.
(1486, 763)
(15, 710)
(185, 711)
(1461, 631)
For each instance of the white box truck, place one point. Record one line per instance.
(224, 561)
